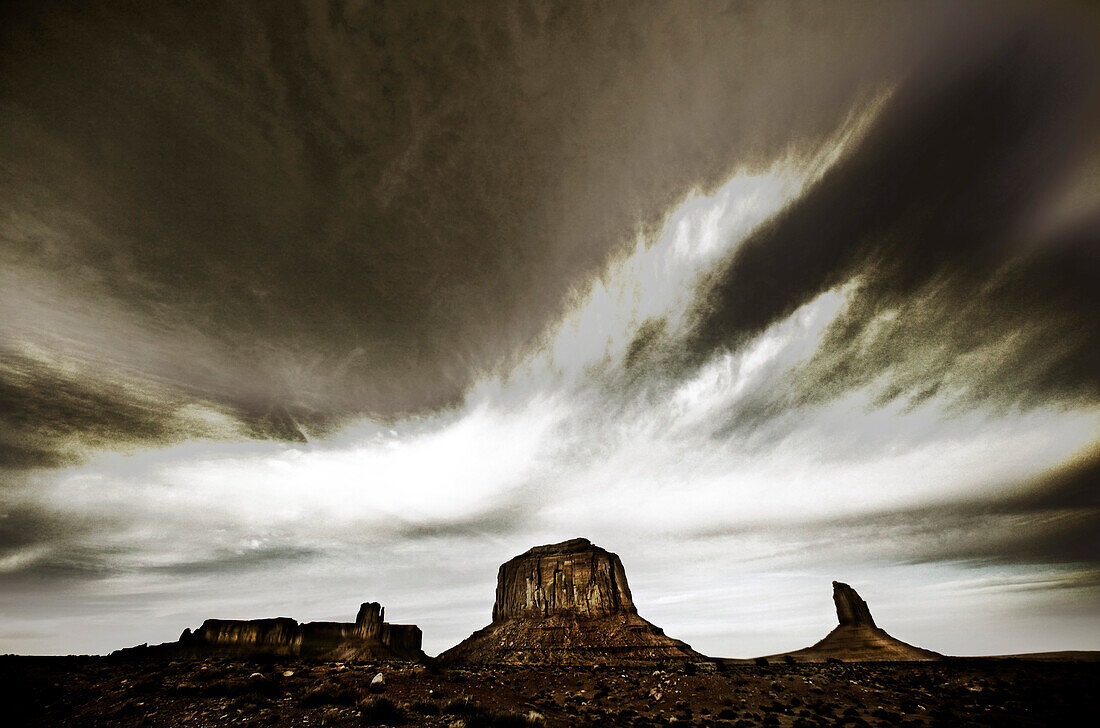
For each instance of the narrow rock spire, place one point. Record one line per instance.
(857, 637)
(850, 608)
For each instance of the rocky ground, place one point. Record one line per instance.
(98, 691)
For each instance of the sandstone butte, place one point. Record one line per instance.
(566, 604)
(857, 638)
(368, 637)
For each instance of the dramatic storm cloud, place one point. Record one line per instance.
(303, 305)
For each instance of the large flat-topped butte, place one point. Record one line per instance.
(566, 603)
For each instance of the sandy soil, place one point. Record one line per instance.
(99, 691)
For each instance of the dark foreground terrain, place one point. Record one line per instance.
(99, 691)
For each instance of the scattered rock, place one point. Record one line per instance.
(73, 692)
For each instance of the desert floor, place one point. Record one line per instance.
(101, 691)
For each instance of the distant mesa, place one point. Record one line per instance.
(369, 637)
(566, 604)
(857, 638)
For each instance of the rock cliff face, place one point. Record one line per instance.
(278, 636)
(570, 577)
(856, 637)
(566, 603)
(368, 637)
(850, 608)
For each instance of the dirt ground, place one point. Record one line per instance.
(100, 691)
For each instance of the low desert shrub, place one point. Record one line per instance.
(381, 711)
(476, 715)
(328, 694)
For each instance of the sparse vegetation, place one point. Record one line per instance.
(381, 711)
(477, 715)
(68, 693)
(426, 707)
(329, 693)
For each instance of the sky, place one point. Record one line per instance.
(306, 304)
